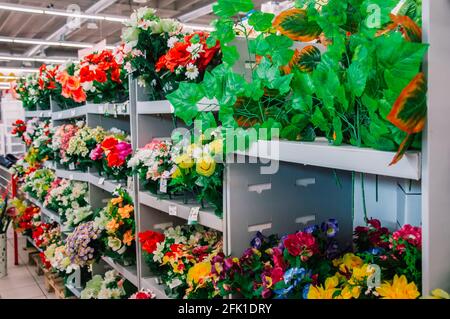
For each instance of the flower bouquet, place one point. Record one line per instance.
(37, 136)
(81, 145)
(45, 234)
(47, 84)
(58, 258)
(37, 183)
(18, 129)
(25, 217)
(181, 258)
(143, 294)
(30, 94)
(154, 165)
(68, 92)
(198, 172)
(102, 78)
(117, 225)
(111, 156)
(61, 140)
(112, 286)
(82, 246)
(187, 60)
(146, 38)
(67, 197)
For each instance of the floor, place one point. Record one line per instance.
(22, 282)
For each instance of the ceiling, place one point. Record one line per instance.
(40, 26)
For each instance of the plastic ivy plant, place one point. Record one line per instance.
(357, 82)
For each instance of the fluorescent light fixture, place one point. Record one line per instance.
(9, 77)
(18, 70)
(197, 13)
(19, 8)
(33, 59)
(48, 43)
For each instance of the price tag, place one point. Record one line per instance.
(163, 185)
(124, 107)
(60, 115)
(175, 283)
(72, 112)
(41, 114)
(101, 181)
(72, 166)
(173, 210)
(193, 216)
(130, 184)
(71, 177)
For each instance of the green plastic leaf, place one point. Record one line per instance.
(185, 99)
(230, 54)
(279, 49)
(224, 30)
(282, 83)
(291, 132)
(261, 21)
(229, 8)
(319, 120)
(300, 120)
(337, 131)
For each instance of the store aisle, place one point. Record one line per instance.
(22, 282)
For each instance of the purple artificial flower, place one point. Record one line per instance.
(124, 149)
(311, 229)
(330, 227)
(257, 240)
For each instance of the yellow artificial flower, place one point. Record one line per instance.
(327, 292)
(216, 146)
(399, 289)
(351, 292)
(438, 294)
(176, 173)
(198, 272)
(112, 226)
(128, 238)
(117, 200)
(125, 211)
(350, 261)
(206, 166)
(360, 274)
(184, 161)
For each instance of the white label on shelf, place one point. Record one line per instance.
(193, 215)
(72, 112)
(172, 210)
(101, 109)
(304, 220)
(259, 227)
(101, 181)
(163, 185)
(71, 177)
(41, 114)
(305, 182)
(60, 115)
(72, 166)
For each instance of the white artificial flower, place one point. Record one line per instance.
(171, 42)
(141, 82)
(191, 71)
(195, 49)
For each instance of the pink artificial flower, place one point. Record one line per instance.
(410, 234)
(123, 149)
(96, 153)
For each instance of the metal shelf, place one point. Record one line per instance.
(129, 273)
(31, 241)
(101, 182)
(349, 158)
(152, 285)
(38, 114)
(165, 107)
(205, 217)
(73, 113)
(44, 211)
(72, 175)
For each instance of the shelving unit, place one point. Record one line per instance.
(129, 273)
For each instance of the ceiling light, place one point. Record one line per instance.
(19, 8)
(9, 77)
(33, 59)
(18, 70)
(48, 43)
(140, 1)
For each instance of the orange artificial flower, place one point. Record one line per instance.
(73, 83)
(117, 200)
(62, 77)
(79, 95)
(125, 211)
(112, 226)
(128, 238)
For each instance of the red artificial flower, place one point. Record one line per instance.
(113, 160)
(177, 56)
(73, 83)
(62, 77)
(86, 74)
(79, 95)
(149, 240)
(410, 234)
(277, 274)
(109, 143)
(301, 244)
(51, 85)
(115, 75)
(100, 76)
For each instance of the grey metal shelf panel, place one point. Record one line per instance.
(109, 108)
(205, 217)
(101, 182)
(38, 114)
(73, 113)
(72, 175)
(349, 158)
(129, 273)
(165, 107)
